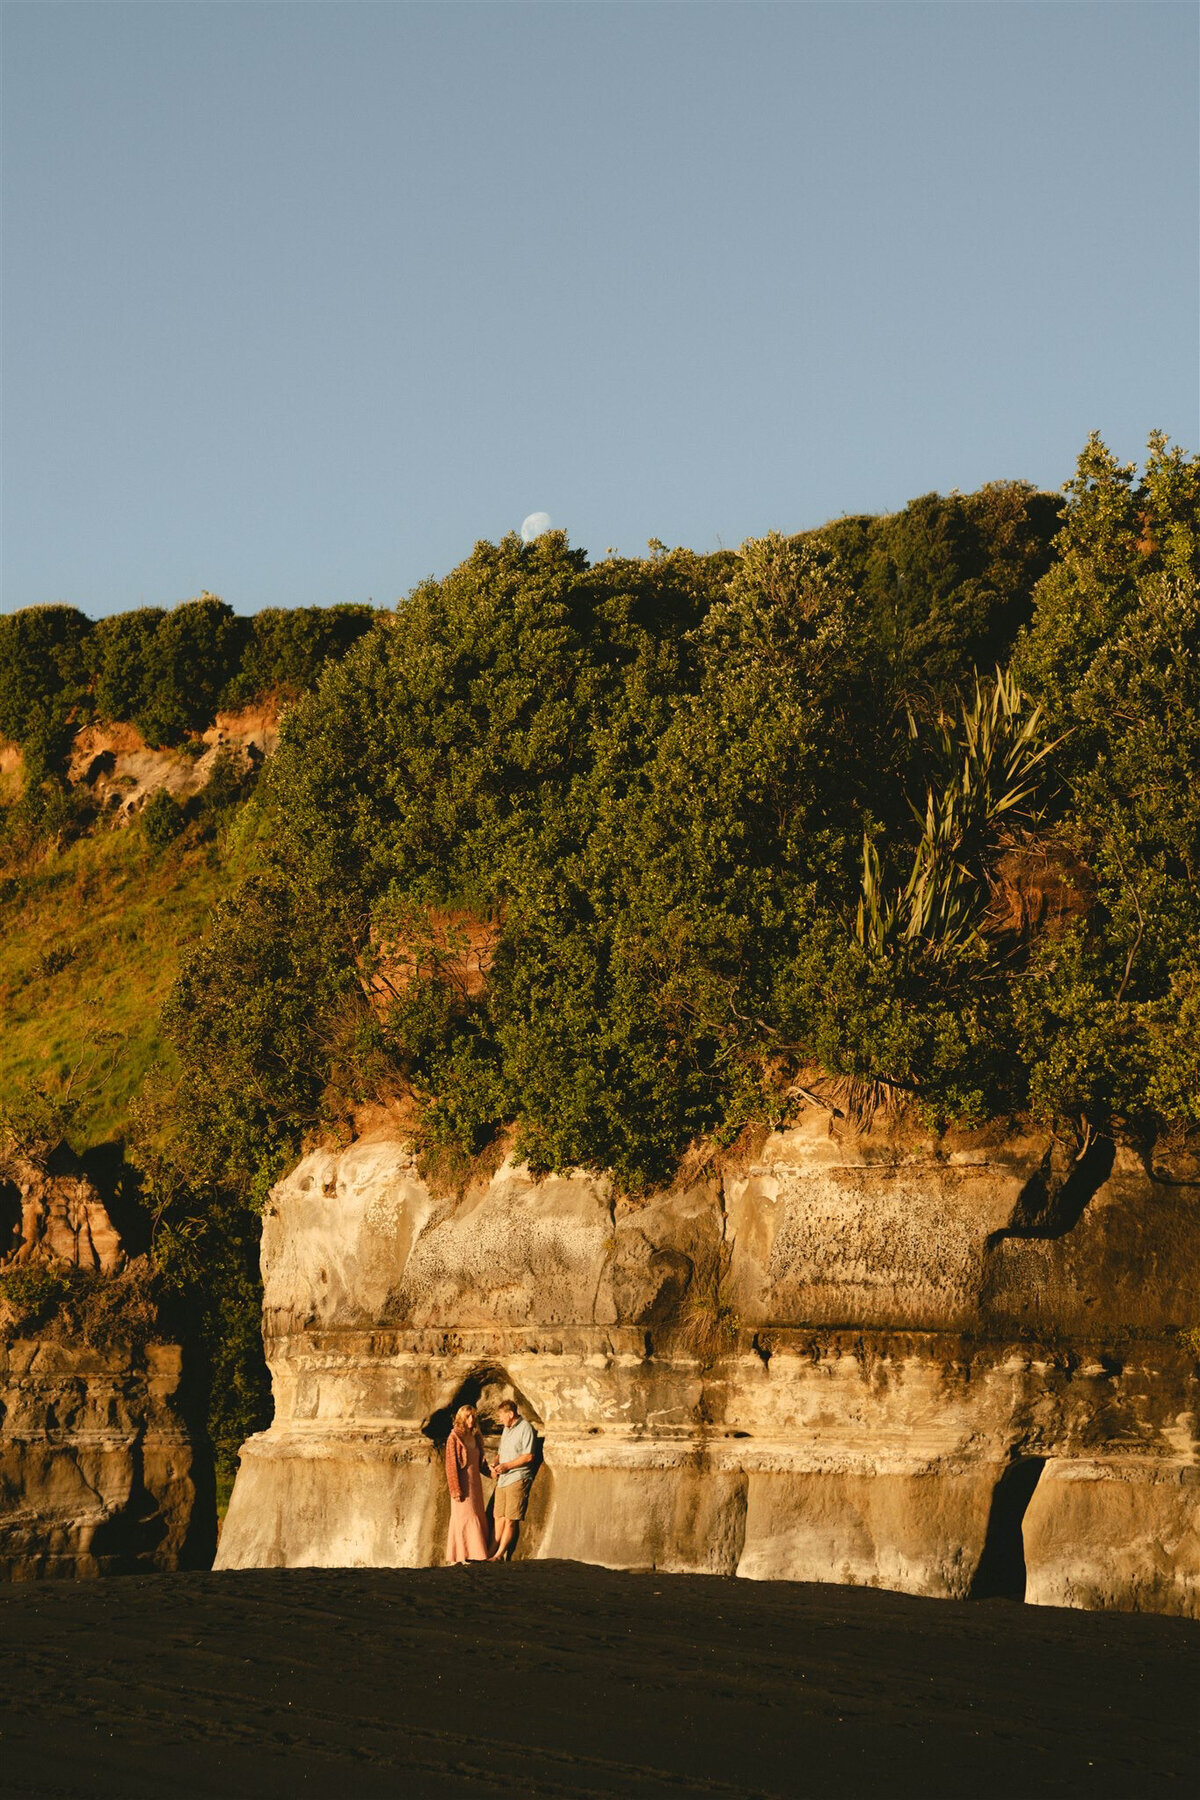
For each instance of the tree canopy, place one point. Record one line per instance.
(911, 800)
(165, 670)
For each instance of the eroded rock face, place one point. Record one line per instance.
(881, 1360)
(123, 772)
(97, 1474)
(54, 1217)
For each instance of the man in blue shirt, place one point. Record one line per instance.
(513, 1469)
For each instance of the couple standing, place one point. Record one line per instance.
(469, 1536)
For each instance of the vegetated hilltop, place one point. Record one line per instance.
(118, 717)
(613, 857)
(133, 749)
(612, 853)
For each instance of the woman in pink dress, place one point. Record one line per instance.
(468, 1538)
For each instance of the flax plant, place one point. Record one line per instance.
(992, 767)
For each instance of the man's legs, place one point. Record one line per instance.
(506, 1540)
(509, 1511)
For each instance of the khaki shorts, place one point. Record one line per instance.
(510, 1501)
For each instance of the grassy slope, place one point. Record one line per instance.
(90, 941)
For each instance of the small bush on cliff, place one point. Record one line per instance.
(124, 664)
(946, 585)
(162, 819)
(79, 1306)
(29, 1296)
(193, 652)
(44, 673)
(44, 670)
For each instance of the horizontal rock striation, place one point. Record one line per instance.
(97, 1471)
(950, 1366)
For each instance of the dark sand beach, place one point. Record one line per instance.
(557, 1679)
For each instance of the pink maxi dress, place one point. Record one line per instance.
(467, 1537)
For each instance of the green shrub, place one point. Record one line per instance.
(194, 651)
(53, 1299)
(31, 1295)
(1113, 654)
(123, 650)
(44, 671)
(229, 782)
(43, 668)
(947, 584)
(162, 819)
(286, 648)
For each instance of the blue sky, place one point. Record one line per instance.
(300, 300)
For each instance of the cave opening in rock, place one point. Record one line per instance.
(483, 1388)
(1001, 1571)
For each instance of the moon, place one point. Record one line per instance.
(534, 525)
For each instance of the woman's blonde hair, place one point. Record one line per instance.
(466, 1417)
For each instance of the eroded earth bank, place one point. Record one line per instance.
(952, 1367)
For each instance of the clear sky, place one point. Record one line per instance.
(300, 300)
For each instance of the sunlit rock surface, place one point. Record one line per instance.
(54, 1217)
(929, 1365)
(116, 766)
(97, 1469)
(97, 1472)
(121, 771)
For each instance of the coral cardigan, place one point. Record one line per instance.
(457, 1464)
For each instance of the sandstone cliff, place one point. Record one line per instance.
(55, 1218)
(115, 764)
(97, 1470)
(918, 1364)
(98, 1473)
